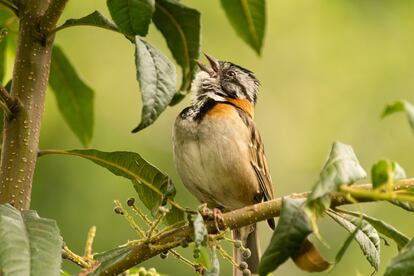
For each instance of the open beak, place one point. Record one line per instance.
(213, 71)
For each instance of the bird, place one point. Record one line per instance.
(218, 151)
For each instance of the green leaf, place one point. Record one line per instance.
(154, 187)
(214, 270)
(132, 16)
(29, 245)
(109, 258)
(180, 26)
(74, 97)
(384, 172)
(367, 238)
(175, 216)
(3, 48)
(156, 77)
(400, 106)
(95, 19)
(341, 168)
(248, 18)
(291, 231)
(403, 263)
(346, 244)
(404, 205)
(384, 228)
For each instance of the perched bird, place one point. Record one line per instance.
(218, 151)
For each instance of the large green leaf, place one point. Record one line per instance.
(403, 263)
(180, 26)
(154, 187)
(382, 227)
(3, 47)
(95, 19)
(248, 18)
(291, 231)
(29, 245)
(156, 77)
(74, 97)
(131, 16)
(384, 172)
(400, 106)
(367, 238)
(341, 168)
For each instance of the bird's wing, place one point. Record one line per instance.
(258, 158)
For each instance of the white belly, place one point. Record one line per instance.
(213, 161)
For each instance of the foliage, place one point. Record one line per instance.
(31, 245)
(291, 232)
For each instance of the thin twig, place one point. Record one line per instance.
(182, 258)
(89, 242)
(130, 219)
(71, 256)
(231, 220)
(226, 256)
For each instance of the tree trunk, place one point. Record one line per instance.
(30, 78)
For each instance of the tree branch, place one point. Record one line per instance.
(231, 220)
(21, 131)
(52, 15)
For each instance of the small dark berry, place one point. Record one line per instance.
(164, 255)
(118, 210)
(243, 266)
(247, 253)
(131, 201)
(246, 272)
(237, 244)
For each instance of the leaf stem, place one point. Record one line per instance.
(376, 195)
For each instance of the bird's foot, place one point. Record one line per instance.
(214, 214)
(218, 219)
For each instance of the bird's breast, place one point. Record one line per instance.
(212, 157)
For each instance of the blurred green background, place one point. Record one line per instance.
(327, 70)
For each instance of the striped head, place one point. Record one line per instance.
(225, 80)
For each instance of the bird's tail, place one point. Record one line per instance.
(248, 236)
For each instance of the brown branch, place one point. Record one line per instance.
(21, 131)
(231, 220)
(52, 15)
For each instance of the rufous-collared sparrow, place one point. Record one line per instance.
(218, 151)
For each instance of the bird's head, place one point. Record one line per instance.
(226, 80)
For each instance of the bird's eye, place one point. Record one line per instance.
(231, 73)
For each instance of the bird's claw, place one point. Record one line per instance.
(214, 214)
